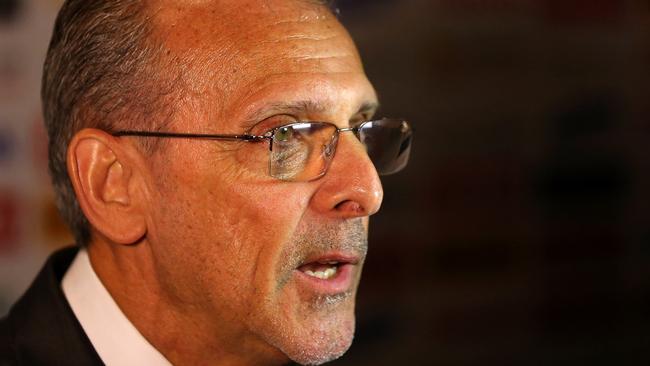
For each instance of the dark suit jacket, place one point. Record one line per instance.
(41, 328)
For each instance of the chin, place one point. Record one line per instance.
(319, 332)
(321, 345)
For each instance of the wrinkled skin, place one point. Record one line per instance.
(214, 279)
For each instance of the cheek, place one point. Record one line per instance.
(228, 227)
(262, 219)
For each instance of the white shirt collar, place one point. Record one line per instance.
(114, 337)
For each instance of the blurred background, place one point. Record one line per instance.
(519, 234)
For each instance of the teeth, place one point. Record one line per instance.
(323, 275)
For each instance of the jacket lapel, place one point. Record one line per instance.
(42, 327)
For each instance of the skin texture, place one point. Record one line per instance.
(196, 243)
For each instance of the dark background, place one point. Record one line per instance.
(519, 234)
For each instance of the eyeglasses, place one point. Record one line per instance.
(303, 151)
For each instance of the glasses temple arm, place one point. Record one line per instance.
(251, 138)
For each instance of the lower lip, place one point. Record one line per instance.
(340, 283)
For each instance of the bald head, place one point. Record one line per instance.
(123, 64)
(219, 45)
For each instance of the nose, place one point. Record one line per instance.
(351, 187)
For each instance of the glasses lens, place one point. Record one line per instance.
(302, 151)
(388, 142)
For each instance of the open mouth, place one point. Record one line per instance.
(321, 270)
(328, 274)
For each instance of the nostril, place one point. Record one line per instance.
(350, 206)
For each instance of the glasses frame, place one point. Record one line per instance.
(269, 135)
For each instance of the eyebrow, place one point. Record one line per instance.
(301, 107)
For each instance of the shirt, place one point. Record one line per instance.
(114, 337)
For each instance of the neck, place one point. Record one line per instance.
(184, 333)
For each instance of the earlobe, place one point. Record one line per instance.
(102, 175)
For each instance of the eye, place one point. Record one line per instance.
(283, 134)
(270, 125)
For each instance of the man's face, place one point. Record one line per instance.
(239, 253)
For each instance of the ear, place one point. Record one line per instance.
(105, 178)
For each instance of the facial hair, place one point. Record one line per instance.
(348, 236)
(331, 315)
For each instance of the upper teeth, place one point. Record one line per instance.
(323, 275)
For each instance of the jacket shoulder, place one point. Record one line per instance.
(7, 353)
(41, 328)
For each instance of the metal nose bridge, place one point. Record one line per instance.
(354, 130)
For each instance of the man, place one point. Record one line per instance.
(216, 226)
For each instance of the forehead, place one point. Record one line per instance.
(248, 49)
